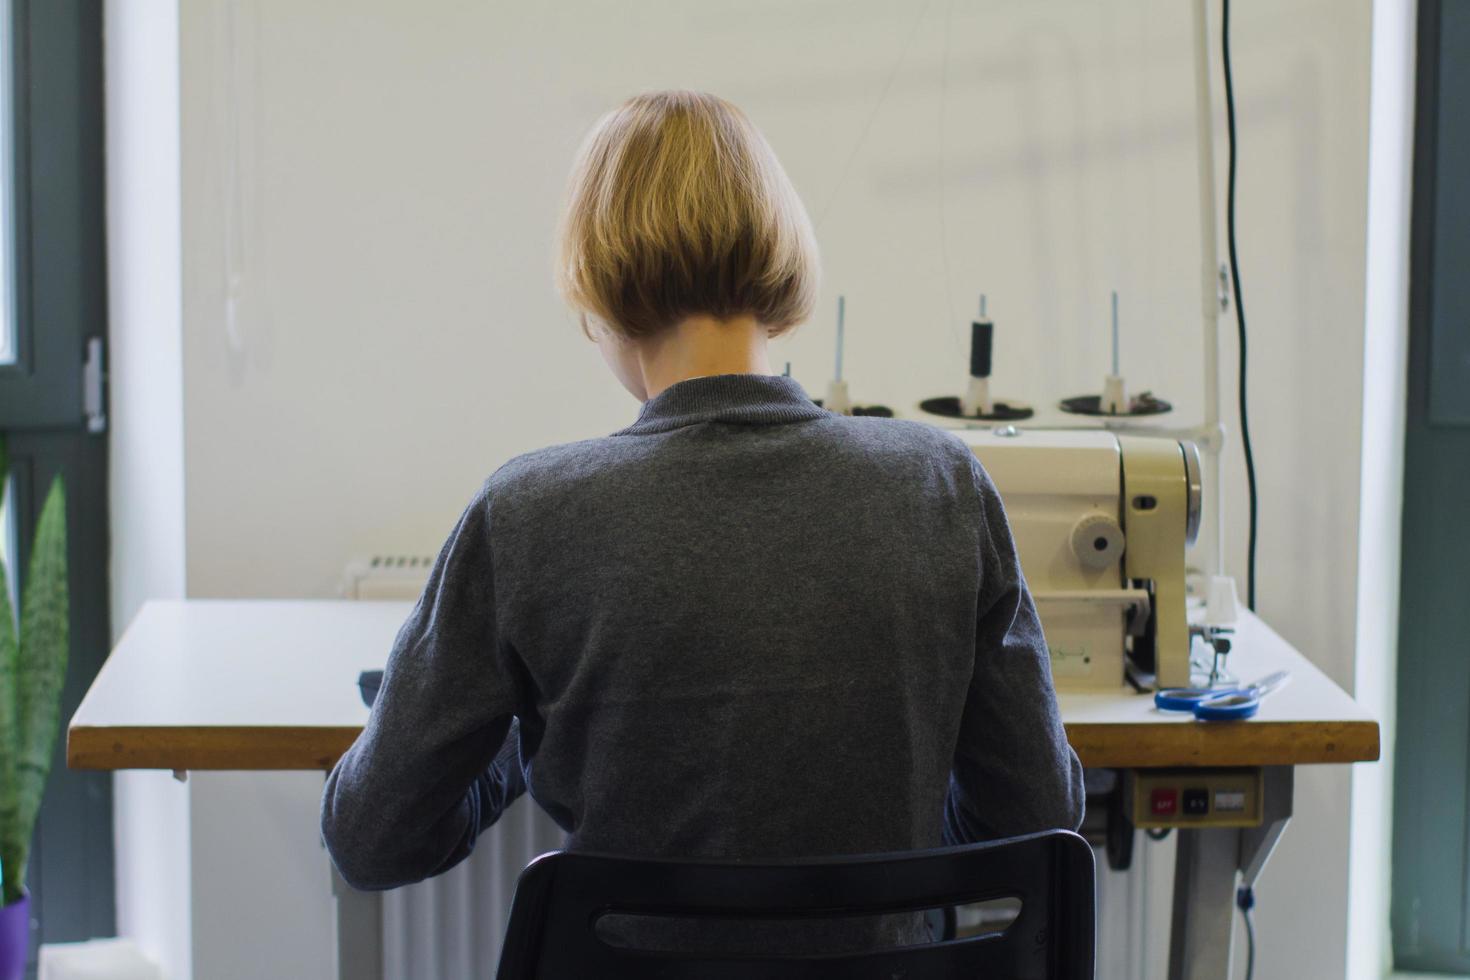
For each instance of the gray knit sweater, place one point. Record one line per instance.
(741, 627)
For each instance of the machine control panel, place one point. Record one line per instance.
(1159, 798)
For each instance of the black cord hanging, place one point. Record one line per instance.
(1245, 428)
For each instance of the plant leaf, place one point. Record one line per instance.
(43, 648)
(11, 846)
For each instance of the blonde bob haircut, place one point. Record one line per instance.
(678, 207)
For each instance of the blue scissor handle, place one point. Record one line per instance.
(1235, 706)
(1221, 703)
(1189, 698)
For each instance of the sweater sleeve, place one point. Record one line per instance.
(438, 760)
(1014, 772)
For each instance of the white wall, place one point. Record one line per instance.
(146, 478)
(369, 327)
(146, 422)
(1302, 76)
(1385, 359)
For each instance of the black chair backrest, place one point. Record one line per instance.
(561, 896)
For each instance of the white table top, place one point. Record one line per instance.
(1311, 719)
(271, 684)
(228, 670)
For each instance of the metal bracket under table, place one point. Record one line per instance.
(359, 930)
(1205, 869)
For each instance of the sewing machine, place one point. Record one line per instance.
(1101, 522)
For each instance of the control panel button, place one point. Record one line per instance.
(1196, 802)
(1229, 801)
(1164, 801)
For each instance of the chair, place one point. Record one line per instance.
(561, 895)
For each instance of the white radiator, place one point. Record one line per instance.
(450, 927)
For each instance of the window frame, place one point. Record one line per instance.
(57, 230)
(60, 304)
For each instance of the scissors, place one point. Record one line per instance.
(1220, 703)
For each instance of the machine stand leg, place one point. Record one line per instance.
(359, 931)
(1204, 881)
(1257, 843)
(1204, 903)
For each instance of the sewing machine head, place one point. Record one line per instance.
(1101, 522)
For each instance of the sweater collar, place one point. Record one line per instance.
(751, 399)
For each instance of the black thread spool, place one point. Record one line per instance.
(982, 341)
(982, 345)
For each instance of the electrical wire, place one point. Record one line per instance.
(954, 323)
(872, 116)
(1245, 900)
(1245, 428)
(1250, 946)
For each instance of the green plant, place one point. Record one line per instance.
(32, 669)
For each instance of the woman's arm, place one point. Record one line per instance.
(412, 793)
(1014, 772)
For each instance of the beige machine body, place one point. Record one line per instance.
(1101, 522)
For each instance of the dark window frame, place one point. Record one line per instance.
(59, 305)
(57, 234)
(1430, 903)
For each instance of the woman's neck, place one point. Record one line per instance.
(701, 346)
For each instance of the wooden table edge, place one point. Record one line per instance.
(1099, 745)
(1144, 745)
(207, 747)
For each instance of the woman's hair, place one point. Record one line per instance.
(678, 207)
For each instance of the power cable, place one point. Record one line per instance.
(1245, 427)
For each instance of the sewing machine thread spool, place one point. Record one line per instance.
(1115, 332)
(976, 402)
(841, 326)
(837, 399)
(1114, 399)
(982, 338)
(1115, 393)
